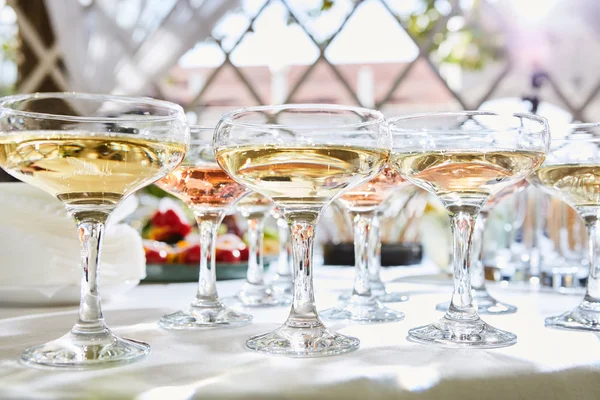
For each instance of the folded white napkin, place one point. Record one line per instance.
(40, 247)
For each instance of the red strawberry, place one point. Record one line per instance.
(155, 256)
(191, 255)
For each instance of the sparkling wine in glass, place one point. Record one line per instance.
(209, 192)
(465, 158)
(362, 203)
(90, 151)
(484, 301)
(256, 292)
(571, 172)
(302, 157)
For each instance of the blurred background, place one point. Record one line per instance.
(396, 55)
(399, 56)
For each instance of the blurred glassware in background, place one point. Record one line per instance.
(400, 209)
(506, 256)
(255, 292)
(282, 280)
(363, 204)
(562, 238)
(532, 237)
(538, 239)
(399, 225)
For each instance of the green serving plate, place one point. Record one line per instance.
(189, 273)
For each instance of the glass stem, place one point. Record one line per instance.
(303, 313)
(592, 294)
(208, 225)
(463, 220)
(363, 223)
(256, 224)
(91, 230)
(374, 249)
(477, 268)
(284, 262)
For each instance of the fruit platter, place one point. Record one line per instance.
(172, 247)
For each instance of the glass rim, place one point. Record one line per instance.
(393, 120)
(201, 128)
(229, 117)
(573, 128)
(175, 110)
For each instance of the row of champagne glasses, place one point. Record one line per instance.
(463, 158)
(91, 151)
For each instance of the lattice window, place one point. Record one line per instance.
(8, 53)
(421, 55)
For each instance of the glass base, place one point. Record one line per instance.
(261, 296)
(585, 317)
(363, 310)
(379, 290)
(486, 305)
(207, 316)
(392, 297)
(383, 296)
(302, 342)
(89, 350)
(464, 333)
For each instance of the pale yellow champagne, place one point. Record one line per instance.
(301, 175)
(577, 184)
(460, 173)
(87, 169)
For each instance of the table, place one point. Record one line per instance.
(545, 363)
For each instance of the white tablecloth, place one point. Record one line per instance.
(544, 364)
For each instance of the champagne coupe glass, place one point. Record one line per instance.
(485, 302)
(90, 151)
(255, 292)
(302, 157)
(464, 158)
(209, 192)
(282, 278)
(378, 287)
(572, 173)
(362, 203)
